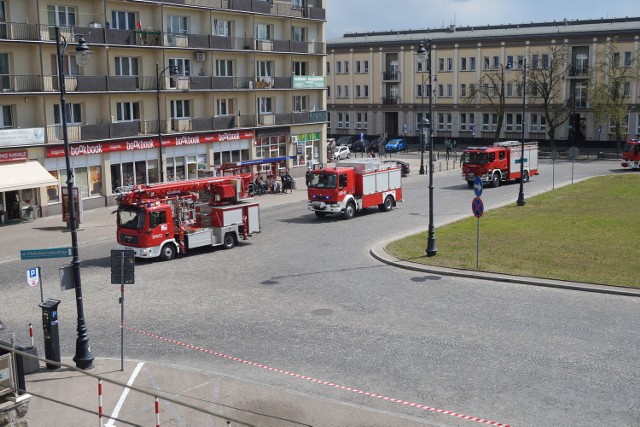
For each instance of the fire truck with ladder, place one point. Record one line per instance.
(163, 220)
(500, 162)
(354, 185)
(631, 154)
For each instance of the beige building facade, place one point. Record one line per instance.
(173, 89)
(377, 86)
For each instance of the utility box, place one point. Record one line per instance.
(50, 327)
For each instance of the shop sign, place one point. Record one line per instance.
(14, 156)
(310, 136)
(25, 136)
(147, 143)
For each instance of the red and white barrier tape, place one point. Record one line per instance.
(328, 383)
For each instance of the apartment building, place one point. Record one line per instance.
(377, 86)
(172, 90)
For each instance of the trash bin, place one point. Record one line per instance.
(29, 364)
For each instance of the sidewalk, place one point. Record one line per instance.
(70, 398)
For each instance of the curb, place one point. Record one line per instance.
(379, 253)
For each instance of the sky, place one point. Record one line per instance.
(349, 16)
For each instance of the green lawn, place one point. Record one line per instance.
(586, 232)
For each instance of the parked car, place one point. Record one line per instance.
(404, 165)
(395, 145)
(360, 145)
(346, 140)
(341, 152)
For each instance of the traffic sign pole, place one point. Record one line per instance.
(478, 246)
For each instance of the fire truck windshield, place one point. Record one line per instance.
(474, 158)
(323, 180)
(633, 148)
(133, 218)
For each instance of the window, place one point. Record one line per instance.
(224, 68)
(122, 20)
(496, 62)
(73, 114)
(263, 32)
(440, 90)
(265, 105)
(580, 93)
(510, 62)
(366, 91)
(440, 64)
(338, 67)
(545, 61)
(449, 90)
(509, 90)
(444, 121)
(538, 123)
(328, 67)
(299, 104)
(472, 63)
(485, 63)
(420, 90)
(61, 15)
(419, 66)
(180, 109)
(463, 64)
(624, 124)
(489, 122)
(449, 64)
(224, 106)
(340, 118)
(463, 90)
(466, 121)
(264, 68)
(298, 34)
(535, 61)
(178, 24)
(6, 119)
(615, 59)
(221, 27)
(126, 66)
(300, 68)
(346, 120)
(346, 91)
(180, 66)
(328, 120)
(346, 67)
(626, 89)
(361, 120)
(127, 111)
(358, 94)
(627, 59)
(513, 122)
(366, 67)
(358, 69)
(338, 91)
(328, 91)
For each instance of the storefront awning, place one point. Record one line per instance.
(19, 176)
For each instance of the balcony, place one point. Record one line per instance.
(391, 76)
(18, 83)
(582, 71)
(391, 100)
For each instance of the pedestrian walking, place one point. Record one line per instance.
(447, 146)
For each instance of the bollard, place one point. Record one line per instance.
(157, 413)
(31, 334)
(99, 403)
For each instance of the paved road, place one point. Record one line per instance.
(305, 296)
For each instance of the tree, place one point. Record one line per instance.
(546, 80)
(491, 90)
(609, 87)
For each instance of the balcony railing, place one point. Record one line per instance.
(582, 71)
(391, 100)
(388, 76)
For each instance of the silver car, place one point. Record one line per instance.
(341, 152)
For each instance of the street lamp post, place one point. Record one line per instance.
(83, 356)
(422, 123)
(431, 239)
(521, 200)
(159, 75)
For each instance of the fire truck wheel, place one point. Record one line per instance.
(229, 240)
(495, 180)
(321, 214)
(167, 252)
(349, 211)
(387, 205)
(525, 176)
(470, 183)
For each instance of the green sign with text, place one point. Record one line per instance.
(307, 82)
(45, 253)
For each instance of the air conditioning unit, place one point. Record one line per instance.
(200, 57)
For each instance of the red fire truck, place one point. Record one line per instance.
(162, 220)
(631, 154)
(351, 186)
(500, 162)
